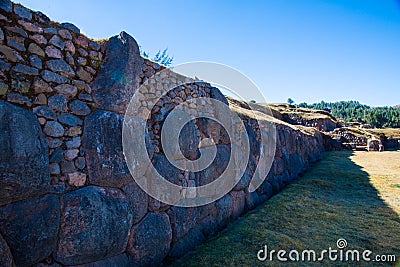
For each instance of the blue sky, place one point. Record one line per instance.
(309, 50)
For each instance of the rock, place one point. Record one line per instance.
(71, 27)
(67, 90)
(83, 52)
(82, 41)
(238, 203)
(3, 88)
(35, 61)
(45, 111)
(60, 66)
(58, 103)
(194, 238)
(69, 119)
(80, 163)
(6, 258)
(4, 65)
(138, 200)
(50, 76)
(217, 167)
(41, 99)
(40, 17)
(30, 27)
(30, 228)
(18, 99)
(224, 207)
(57, 42)
(93, 45)
(95, 224)
(6, 5)
(74, 131)
(22, 12)
(24, 69)
(65, 34)
(40, 39)
(35, 49)
(182, 220)
(76, 179)
(10, 53)
(149, 241)
(102, 140)
(21, 86)
(84, 75)
(41, 86)
(67, 166)
(118, 78)
(17, 30)
(57, 155)
(79, 108)
(16, 42)
(55, 169)
(52, 51)
(70, 59)
(50, 31)
(120, 260)
(54, 143)
(85, 97)
(69, 46)
(71, 154)
(53, 129)
(73, 143)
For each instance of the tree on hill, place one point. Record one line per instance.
(290, 101)
(353, 111)
(161, 57)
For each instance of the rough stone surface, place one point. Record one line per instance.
(53, 129)
(24, 162)
(50, 76)
(6, 5)
(52, 51)
(25, 69)
(6, 258)
(58, 103)
(150, 240)
(41, 86)
(118, 77)
(95, 224)
(10, 53)
(121, 260)
(22, 12)
(70, 27)
(66, 90)
(138, 200)
(76, 179)
(30, 228)
(60, 66)
(102, 140)
(79, 108)
(69, 119)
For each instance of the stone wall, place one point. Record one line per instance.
(66, 195)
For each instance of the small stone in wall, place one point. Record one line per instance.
(44, 111)
(41, 86)
(50, 31)
(24, 69)
(22, 12)
(58, 103)
(55, 169)
(18, 31)
(71, 154)
(10, 54)
(57, 41)
(80, 163)
(85, 97)
(6, 5)
(83, 52)
(53, 142)
(69, 119)
(53, 129)
(69, 46)
(65, 34)
(81, 61)
(60, 66)
(18, 99)
(67, 166)
(16, 42)
(79, 108)
(3, 88)
(84, 75)
(82, 41)
(39, 39)
(74, 142)
(35, 61)
(4, 65)
(74, 131)
(50, 76)
(66, 90)
(52, 51)
(76, 179)
(35, 49)
(20, 86)
(41, 99)
(70, 59)
(70, 27)
(42, 121)
(30, 27)
(93, 45)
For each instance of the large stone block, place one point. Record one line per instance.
(24, 161)
(95, 224)
(182, 220)
(119, 75)
(116, 261)
(150, 240)
(102, 140)
(138, 200)
(30, 228)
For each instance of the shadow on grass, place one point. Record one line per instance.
(332, 200)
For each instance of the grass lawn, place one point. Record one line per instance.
(350, 195)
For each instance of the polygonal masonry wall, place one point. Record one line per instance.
(66, 195)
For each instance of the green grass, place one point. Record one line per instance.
(335, 199)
